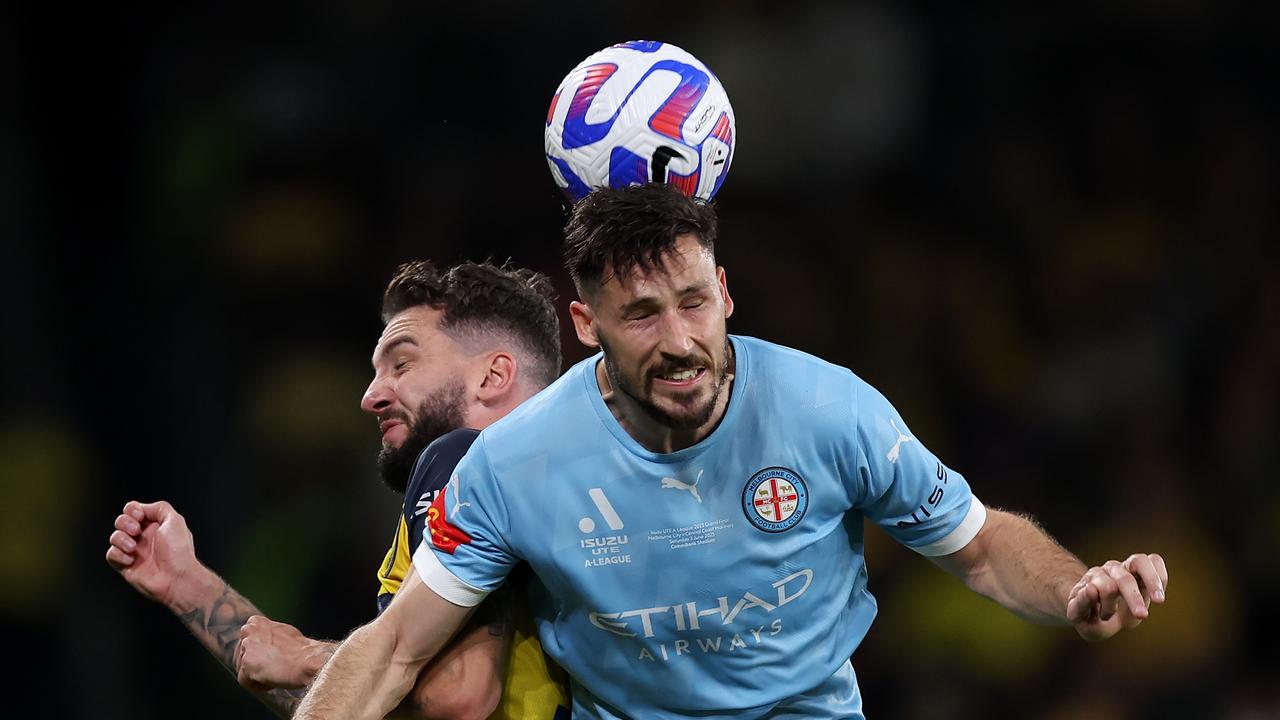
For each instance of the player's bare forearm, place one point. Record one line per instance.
(214, 613)
(377, 665)
(465, 680)
(363, 680)
(1016, 563)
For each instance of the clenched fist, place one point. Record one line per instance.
(154, 551)
(276, 655)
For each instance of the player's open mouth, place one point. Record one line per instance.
(386, 426)
(681, 378)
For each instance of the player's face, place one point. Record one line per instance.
(664, 337)
(417, 393)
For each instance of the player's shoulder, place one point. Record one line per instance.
(786, 367)
(449, 448)
(814, 393)
(771, 354)
(436, 461)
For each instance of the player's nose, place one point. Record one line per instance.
(676, 337)
(377, 397)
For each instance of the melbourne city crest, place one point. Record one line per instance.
(775, 499)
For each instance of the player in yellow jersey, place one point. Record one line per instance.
(459, 349)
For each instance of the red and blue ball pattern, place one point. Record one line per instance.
(640, 112)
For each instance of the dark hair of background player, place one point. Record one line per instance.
(485, 298)
(619, 229)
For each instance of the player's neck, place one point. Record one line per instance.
(480, 416)
(652, 434)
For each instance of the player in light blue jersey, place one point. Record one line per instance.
(693, 505)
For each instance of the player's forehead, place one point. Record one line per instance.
(413, 328)
(687, 267)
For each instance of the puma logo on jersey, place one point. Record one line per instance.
(457, 491)
(897, 447)
(674, 484)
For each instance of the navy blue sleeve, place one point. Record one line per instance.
(430, 474)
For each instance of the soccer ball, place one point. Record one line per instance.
(640, 112)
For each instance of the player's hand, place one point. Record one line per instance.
(1116, 595)
(153, 550)
(273, 655)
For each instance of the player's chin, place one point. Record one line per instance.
(687, 410)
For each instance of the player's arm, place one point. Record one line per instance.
(154, 551)
(464, 680)
(1014, 562)
(930, 508)
(377, 666)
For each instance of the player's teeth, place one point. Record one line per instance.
(682, 375)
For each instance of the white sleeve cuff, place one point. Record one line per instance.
(964, 532)
(445, 584)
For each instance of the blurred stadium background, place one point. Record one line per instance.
(1047, 234)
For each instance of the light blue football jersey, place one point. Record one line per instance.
(725, 580)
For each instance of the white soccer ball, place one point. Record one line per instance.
(639, 112)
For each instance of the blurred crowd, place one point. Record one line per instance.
(1048, 235)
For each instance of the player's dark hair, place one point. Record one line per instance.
(616, 230)
(485, 298)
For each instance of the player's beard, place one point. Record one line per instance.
(441, 412)
(696, 417)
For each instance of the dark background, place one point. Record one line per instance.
(1047, 234)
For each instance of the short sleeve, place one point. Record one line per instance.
(464, 555)
(904, 488)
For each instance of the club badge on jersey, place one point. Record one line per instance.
(775, 499)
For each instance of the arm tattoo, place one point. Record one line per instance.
(217, 627)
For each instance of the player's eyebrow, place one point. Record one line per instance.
(650, 301)
(641, 303)
(700, 286)
(392, 344)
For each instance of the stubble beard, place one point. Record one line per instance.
(692, 420)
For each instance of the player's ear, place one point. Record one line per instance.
(724, 292)
(584, 323)
(500, 375)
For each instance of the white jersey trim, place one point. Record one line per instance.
(442, 581)
(955, 540)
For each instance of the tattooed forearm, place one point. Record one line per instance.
(217, 627)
